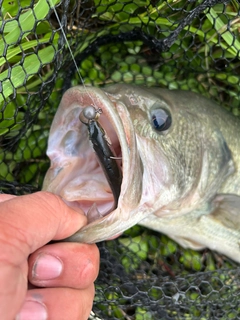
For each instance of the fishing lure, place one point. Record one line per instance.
(89, 116)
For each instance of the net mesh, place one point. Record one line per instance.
(189, 45)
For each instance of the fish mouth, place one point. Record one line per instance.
(75, 173)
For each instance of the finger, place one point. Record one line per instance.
(13, 287)
(64, 265)
(5, 197)
(57, 303)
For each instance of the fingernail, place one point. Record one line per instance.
(46, 267)
(32, 310)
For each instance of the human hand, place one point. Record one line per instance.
(61, 274)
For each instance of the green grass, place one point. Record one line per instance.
(22, 29)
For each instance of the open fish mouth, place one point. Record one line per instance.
(76, 174)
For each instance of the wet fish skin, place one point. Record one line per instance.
(186, 180)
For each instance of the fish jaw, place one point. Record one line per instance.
(75, 174)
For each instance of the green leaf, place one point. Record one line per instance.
(25, 24)
(221, 28)
(142, 314)
(6, 171)
(138, 245)
(11, 7)
(20, 73)
(25, 46)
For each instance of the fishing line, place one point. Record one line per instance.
(70, 50)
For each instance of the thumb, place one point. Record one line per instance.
(36, 219)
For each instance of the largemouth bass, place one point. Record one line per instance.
(179, 154)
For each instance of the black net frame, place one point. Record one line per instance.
(189, 45)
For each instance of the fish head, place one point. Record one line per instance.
(170, 155)
(75, 173)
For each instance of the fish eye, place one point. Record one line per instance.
(161, 119)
